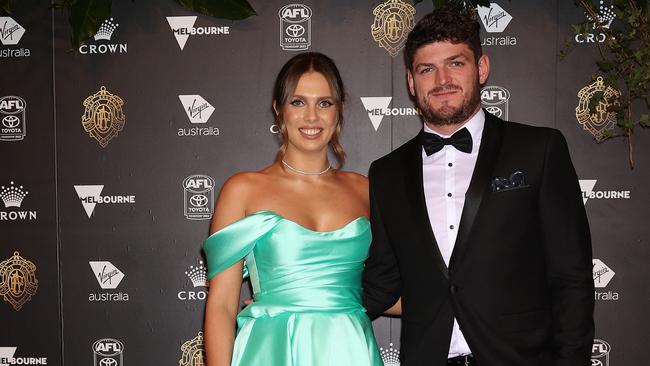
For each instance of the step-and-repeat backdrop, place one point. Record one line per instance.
(111, 156)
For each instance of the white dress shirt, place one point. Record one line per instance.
(446, 175)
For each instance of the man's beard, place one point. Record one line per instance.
(446, 115)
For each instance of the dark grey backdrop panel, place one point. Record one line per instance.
(27, 166)
(129, 269)
(619, 234)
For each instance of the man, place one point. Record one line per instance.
(478, 224)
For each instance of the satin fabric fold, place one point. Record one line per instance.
(306, 288)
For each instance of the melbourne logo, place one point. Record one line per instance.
(12, 118)
(599, 120)
(18, 281)
(604, 17)
(602, 275)
(198, 275)
(198, 111)
(103, 117)
(600, 353)
(103, 37)
(378, 107)
(7, 357)
(108, 277)
(193, 352)
(495, 100)
(90, 196)
(390, 355)
(198, 199)
(183, 27)
(12, 198)
(393, 21)
(108, 352)
(295, 27)
(587, 188)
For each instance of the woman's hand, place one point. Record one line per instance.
(396, 309)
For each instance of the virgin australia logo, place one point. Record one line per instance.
(10, 31)
(602, 276)
(494, 18)
(198, 110)
(109, 277)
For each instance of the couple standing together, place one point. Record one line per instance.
(477, 234)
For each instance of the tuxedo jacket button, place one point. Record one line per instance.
(452, 289)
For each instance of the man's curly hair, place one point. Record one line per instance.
(444, 24)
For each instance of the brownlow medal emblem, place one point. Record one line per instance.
(103, 117)
(18, 281)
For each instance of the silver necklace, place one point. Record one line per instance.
(329, 166)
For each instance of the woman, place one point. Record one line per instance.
(304, 243)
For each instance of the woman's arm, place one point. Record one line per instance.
(222, 304)
(220, 314)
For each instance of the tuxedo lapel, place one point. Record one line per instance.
(483, 171)
(415, 193)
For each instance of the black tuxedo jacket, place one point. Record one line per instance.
(519, 281)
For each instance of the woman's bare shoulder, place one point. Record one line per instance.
(353, 177)
(355, 181)
(246, 182)
(235, 197)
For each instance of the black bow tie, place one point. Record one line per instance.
(461, 140)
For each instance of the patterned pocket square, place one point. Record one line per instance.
(516, 180)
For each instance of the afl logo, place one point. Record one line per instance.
(12, 118)
(600, 353)
(495, 100)
(295, 27)
(198, 197)
(108, 352)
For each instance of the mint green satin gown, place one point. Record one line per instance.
(306, 288)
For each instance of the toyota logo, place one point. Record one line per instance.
(295, 30)
(10, 121)
(107, 362)
(199, 200)
(495, 111)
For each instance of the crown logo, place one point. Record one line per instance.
(604, 17)
(106, 30)
(390, 356)
(12, 196)
(198, 275)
